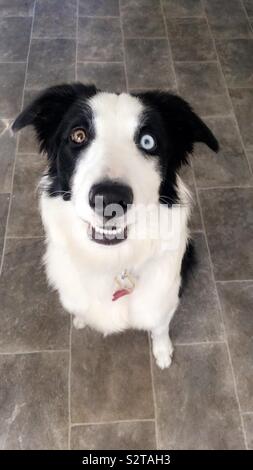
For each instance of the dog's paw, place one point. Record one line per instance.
(79, 322)
(163, 352)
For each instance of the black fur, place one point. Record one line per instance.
(61, 108)
(189, 261)
(53, 114)
(178, 128)
(167, 117)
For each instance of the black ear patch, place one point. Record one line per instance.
(47, 111)
(182, 125)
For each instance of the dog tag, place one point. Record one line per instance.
(124, 285)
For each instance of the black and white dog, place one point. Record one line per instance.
(111, 268)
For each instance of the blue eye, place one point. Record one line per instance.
(147, 142)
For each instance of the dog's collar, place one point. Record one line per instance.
(125, 284)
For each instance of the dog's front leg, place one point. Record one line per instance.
(162, 346)
(79, 322)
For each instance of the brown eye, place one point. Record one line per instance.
(78, 136)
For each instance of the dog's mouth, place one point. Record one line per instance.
(107, 235)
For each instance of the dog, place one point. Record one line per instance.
(124, 150)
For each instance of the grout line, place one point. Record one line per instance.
(199, 343)
(213, 61)
(123, 46)
(247, 16)
(153, 390)
(211, 188)
(12, 61)
(25, 237)
(184, 17)
(247, 412)
(37, 351)
(169, 46)
(218, 116)
(100, 62)
(33, 154)
(77, 30)
(241, 87)
(53, 38)
(147, 38)
(228, 94)
(233, 280)
(99, 16)
(16, 147)
(119, 421)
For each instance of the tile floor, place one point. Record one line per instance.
(61, 388)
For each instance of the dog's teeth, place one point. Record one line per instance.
(105, 231)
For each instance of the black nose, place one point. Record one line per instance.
(110, 193)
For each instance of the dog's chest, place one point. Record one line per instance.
(110, 298)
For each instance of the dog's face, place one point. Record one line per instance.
(109, 153)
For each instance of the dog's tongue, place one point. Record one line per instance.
(120, 293)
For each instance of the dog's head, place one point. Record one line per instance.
(108, 152)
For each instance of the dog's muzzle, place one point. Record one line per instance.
(110, 201)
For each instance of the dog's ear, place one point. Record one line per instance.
(47, 111)
(181, 123)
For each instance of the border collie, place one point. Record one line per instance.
(113, 162)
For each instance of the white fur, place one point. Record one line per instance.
(82, 271)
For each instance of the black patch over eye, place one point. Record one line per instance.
(78, 136)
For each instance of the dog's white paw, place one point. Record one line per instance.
(79, 322)
(163, 352)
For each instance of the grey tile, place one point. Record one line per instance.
(182, 8)
(248, 4)
(187, 176)
(7, 157)
(31, 316)
(12, 77)
(24, 215)
(147, 55)
(237, 304)
(16, 7)
(105, 75)
(123, 436)
(250, 159)
(34, 401)
(190, 39)
(99, 7)
(27, 142)
(229, 167)
(99, 39)
(236, 57)
(248, 425)
(227, 19)
(202, 85)
(228, 215)
(3, 125)
(4, 205)
(51, 61)
(243, 106)
(110, 377)
(142, 18)
(14, 38)
(196, 405)
(197, 318)
(55, 18)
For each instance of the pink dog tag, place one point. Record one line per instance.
(125, 284)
